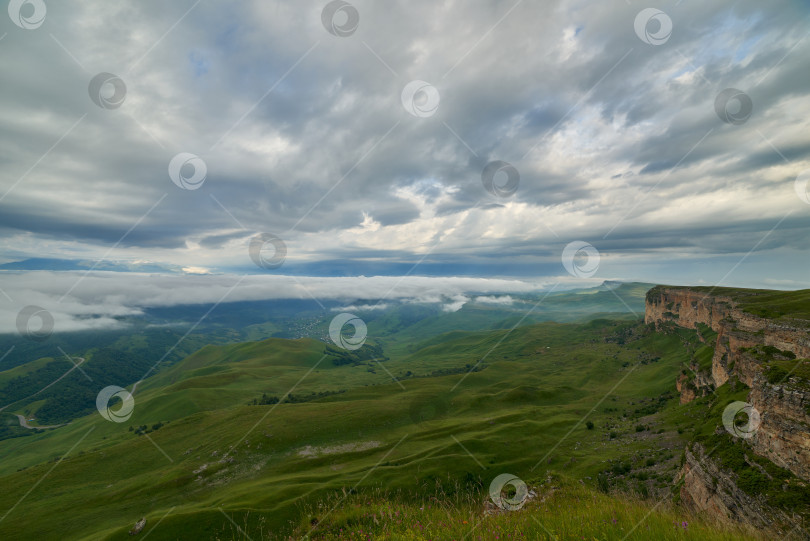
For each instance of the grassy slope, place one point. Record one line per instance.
(523, 414)
(564, 509)
(397, 329)
(400, 334)
(539, 383)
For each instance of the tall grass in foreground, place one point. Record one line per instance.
(562, 510)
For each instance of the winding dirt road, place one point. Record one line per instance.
(24, 424)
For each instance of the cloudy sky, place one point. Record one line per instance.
(476, 138)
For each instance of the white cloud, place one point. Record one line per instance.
(196, 270)
(458, 302)
(361, 307)
(97, 298)
(490, 299)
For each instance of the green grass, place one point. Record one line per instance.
(121, 360)
(703, 357)
(525, 413)
(563, 509)
(780, 372)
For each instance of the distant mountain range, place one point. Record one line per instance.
(53, 264)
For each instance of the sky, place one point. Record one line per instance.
(517, 143)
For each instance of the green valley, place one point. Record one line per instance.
(284, 438)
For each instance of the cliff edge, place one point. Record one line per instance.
(761, 339)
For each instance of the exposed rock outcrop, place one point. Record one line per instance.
(784, 434)
(783, 437)
(139, 526)
(706, 487)
(686, 388)
(694, 383)
(736, 328)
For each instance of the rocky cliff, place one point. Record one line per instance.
(706, 487)
(736, 328)
(752, 350)
(783, 435)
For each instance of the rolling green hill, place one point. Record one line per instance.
(204, 448)
(51, 389)
(280, 438)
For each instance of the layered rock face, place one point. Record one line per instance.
(783, 436)
(708, 488)
(736, 329)
(690, 389)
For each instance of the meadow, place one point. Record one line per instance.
(576, 400)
